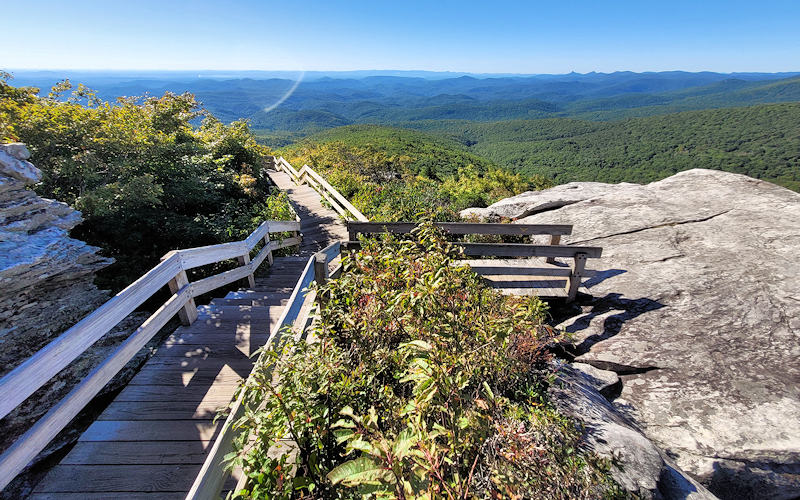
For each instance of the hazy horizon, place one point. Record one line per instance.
(238, 73)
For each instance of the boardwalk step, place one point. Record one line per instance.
(251, 302)
(150, 442)
(263, 287)
(244, 294)
(271, 301)
(113, 478)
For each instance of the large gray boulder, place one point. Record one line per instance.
(697, 308)
(533, 202)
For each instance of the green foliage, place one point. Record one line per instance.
(760, 141)
(145, 177)
(400, 148)
(395, 174)
(418, 381)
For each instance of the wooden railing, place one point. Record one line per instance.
(573, 275)
(307, 175)
(214, 473)
(24, 380)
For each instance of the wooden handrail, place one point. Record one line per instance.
(550, 252)
(213, 474)
(355, 228)
(308, 175)
(25, 379)
(512, 249)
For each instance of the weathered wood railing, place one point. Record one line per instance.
(24, 380)
(554, 250)
(307, 175)
(214, 473)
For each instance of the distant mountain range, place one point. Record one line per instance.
(324, 100)
(613, 127)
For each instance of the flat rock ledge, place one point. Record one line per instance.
(696, 307)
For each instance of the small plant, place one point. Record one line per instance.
(418, 381)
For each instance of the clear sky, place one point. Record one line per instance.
(556, 36)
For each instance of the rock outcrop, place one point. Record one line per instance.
(46, 286)
(638, 466)
(697, 307)
(45, 276)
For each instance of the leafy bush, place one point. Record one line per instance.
(388, 183)
(149, 174)
(418, 381)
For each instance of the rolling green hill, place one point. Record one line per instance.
(420, 153)
(761, 141)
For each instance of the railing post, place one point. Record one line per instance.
(321, 272)
(269, 250)
(243, 261)
(188, 313)
(578, 266)
(555, 239)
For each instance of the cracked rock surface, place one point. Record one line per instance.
(697, 308)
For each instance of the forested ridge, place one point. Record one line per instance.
(761, 141)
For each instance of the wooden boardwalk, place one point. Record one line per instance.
(319, 225)
(153, 438)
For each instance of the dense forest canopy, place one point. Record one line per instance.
(760, 141)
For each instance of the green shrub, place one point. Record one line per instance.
(418, 381)
(149, 174)
(422, 181)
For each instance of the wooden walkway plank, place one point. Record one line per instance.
(158, 430)
(162, 410)
(119, 478)
(118, 495)
(133, 453)
(152, 440)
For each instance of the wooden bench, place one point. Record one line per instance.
(522, 273)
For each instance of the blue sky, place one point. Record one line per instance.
(474, 36)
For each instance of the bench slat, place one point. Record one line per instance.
(461, 228)
(512, 249)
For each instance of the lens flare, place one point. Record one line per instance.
(288, 93)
